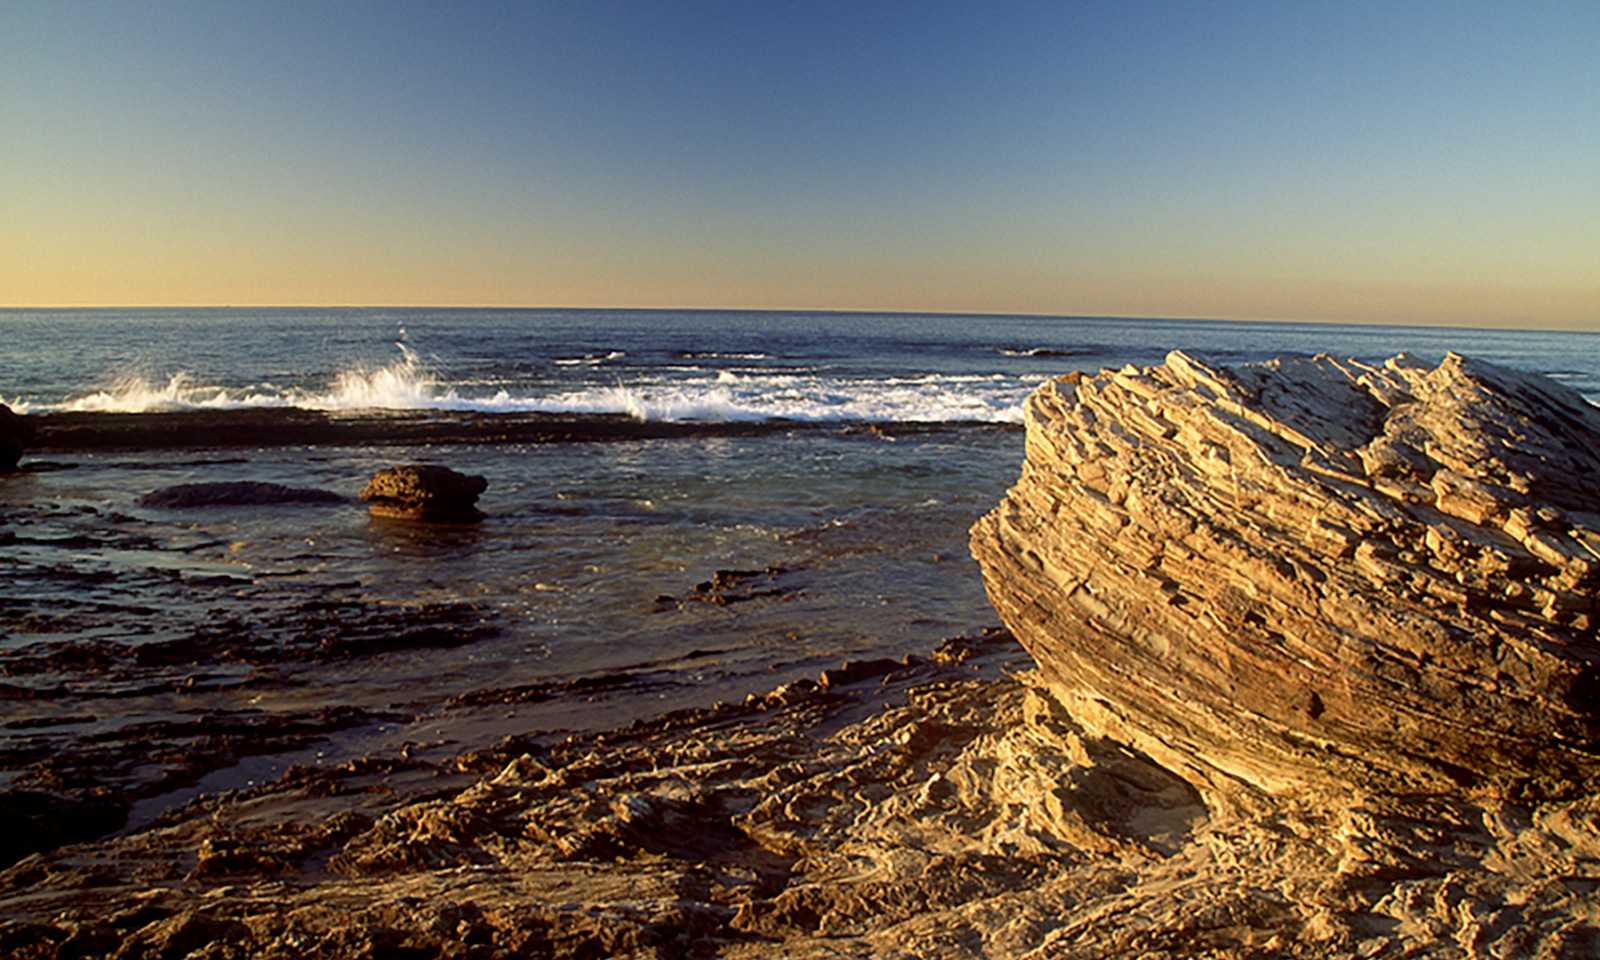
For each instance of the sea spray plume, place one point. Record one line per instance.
(627, 400)
(405, 384)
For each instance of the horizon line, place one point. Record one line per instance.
(1524, 324)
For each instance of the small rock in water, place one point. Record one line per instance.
(425, 492)
(730, 586)
(855, 671)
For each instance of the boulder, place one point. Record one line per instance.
(1313, 576)
(425, 492)
(15, 435)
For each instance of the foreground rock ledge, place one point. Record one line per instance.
(926, 813)
(1315, 576)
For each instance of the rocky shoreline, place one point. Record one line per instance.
(940, 808)
(1307, 668)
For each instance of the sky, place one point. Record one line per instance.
(1406, 162)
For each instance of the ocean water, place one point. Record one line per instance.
(727, 365)
(882, 438)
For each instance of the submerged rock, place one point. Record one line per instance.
(236, 493)
(15, 435)
(1315, 576)
(425, 492)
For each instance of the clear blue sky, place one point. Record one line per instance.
(1418, 162)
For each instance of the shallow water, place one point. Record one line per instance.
(568, 572)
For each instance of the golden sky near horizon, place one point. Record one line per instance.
(1250, 161)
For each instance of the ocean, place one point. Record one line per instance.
(836, 507)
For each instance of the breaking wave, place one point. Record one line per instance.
(1046, 352)
(749, 394)
(406, 384)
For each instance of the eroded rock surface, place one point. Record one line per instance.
(70, 772)
(1315, 577)
(931, 812)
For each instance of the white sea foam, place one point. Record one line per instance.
(1036, 352)
(406, 384)
(138, 393)
(409, 383)
(591, 360)
(753, 397)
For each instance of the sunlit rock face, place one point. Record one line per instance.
(1313, 576)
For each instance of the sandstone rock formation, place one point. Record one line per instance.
(425, 492)
(15, 435)
(1315, 577)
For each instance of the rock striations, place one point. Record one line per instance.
(1315, 577)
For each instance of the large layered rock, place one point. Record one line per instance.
(1315, 575)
